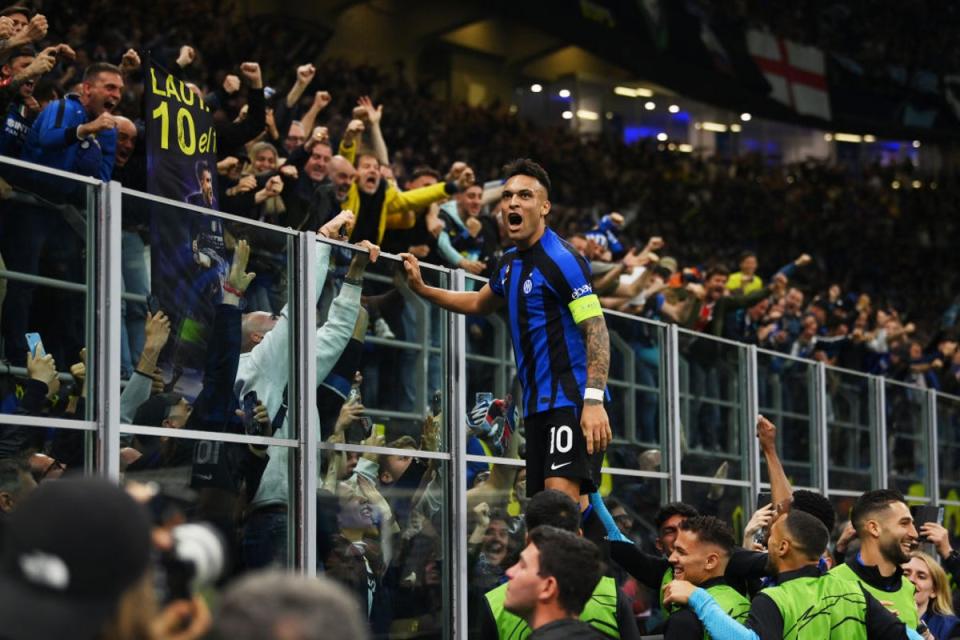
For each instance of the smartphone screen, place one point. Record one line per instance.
(35, 344)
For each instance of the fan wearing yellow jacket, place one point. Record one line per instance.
(377, 203)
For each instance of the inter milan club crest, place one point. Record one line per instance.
(528, 286)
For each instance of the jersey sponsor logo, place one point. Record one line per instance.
(555, 466)
(582, 291)
(528, 286)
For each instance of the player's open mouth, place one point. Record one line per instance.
(514, 219)
(109, 105)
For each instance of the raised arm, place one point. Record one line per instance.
(305, 74)
(781, 493)
(320, 101)
(372, 115)
(481, 302)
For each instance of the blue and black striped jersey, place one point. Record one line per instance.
(547, 289)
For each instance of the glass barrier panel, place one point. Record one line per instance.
(948, 443)
(712, 409)
(47, 251)
(636, 408)
(207, 348)
(393, 364)
(729, 503)
(382, 531)
(235, 490)
(851, 430)
(908, 450)
(42, 454)
(785, 389)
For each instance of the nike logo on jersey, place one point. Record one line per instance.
(555, 466)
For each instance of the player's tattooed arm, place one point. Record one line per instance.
(598, 353)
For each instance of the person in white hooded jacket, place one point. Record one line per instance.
(264, 368)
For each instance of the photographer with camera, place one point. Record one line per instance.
(95, 584)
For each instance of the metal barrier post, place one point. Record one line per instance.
(304, 398)
(105, 354)
(933, 446)
(671, 367)
(457, 406)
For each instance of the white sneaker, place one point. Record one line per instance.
(382, 330)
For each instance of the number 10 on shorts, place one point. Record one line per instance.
(561, 439)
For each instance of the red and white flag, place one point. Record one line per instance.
(796, 72)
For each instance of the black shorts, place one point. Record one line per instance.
(556, 448)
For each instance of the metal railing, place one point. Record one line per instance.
(842, 430)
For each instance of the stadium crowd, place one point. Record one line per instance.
(669, 236)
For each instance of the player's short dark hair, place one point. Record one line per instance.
(817, 505)
(527, 167)
(712, 530)
(671, 509)
(872, 502)
(553, 508)
(201, 167)
(95, 69)
(573, 561)
(746, 254)
(808, 533)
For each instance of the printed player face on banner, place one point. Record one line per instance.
(189, 255)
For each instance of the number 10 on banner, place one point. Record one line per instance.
(186, 131)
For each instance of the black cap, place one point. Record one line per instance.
(154, 411)
(70, 550)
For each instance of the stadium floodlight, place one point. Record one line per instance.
(895, 184)
(828, 137)
(662, 137)
(564, 93)
(609, 115)
(650, 106)
(869, 138)
(673, 108)
(567, 115)
(916, 144)
(716, 127)
(745, 117)
(586, 114)
(685, 148)
(848, 137)
(536, 88)
(736, 128)
(916, 184)
(633, 92)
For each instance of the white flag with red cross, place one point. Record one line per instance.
(796, 72)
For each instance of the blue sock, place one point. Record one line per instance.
(613, 533)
